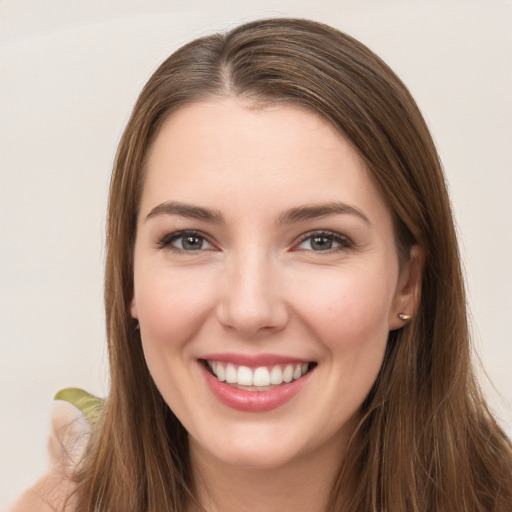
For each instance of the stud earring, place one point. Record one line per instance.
(404, 317)
(137, 326)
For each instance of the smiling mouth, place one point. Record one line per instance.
(261, 378)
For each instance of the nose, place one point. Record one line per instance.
(252, 301)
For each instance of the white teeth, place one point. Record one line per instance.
(276, 375)
(221, 374)
(231, 374)
(288, 373)
(261, 377)
(244, 376)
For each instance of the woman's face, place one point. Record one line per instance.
(264, 255)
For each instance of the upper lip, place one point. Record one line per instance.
(254, 360)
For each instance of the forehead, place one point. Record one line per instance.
(227, 151)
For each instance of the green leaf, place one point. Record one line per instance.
(89, 404)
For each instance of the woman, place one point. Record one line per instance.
(285, 308)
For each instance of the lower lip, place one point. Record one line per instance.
(253, 401)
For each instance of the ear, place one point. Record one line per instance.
(408, 290)
(133, 309)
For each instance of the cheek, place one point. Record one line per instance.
(171, 305)
(349, 310)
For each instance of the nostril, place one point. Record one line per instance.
(252, 318)
(250, 300)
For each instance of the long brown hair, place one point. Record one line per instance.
(426, 440)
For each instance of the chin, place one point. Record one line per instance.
(257, 457)
(250, 451)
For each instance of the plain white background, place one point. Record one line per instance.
(69, 74)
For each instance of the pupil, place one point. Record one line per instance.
(192, 243)
(321, 243)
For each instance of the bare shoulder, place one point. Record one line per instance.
(51, 493)
(54, 492)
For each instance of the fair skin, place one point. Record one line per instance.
(262, 242)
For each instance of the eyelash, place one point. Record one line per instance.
(343, 242)
(167, 240)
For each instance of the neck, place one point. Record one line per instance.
(302, 484)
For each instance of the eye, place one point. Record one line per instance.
(185, 241)
(323, 241)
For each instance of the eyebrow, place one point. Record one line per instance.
(300, 213)
(308, 212)
(188, 211)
